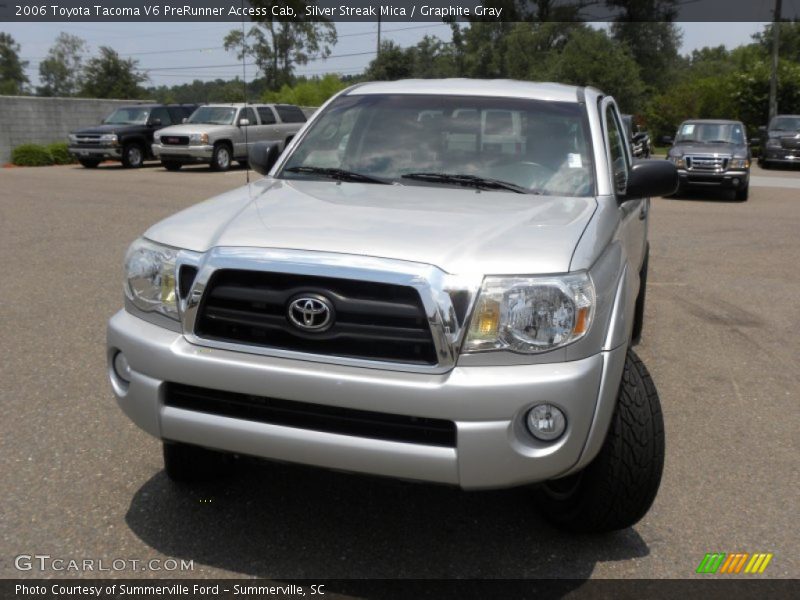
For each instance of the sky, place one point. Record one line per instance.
(174, 53)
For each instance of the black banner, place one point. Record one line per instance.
(69, 11)
(714, 587)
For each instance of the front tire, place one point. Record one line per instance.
(89, 163)
(618, 487)
(132, 156)
(221, 158)
(742, 194)
(171, 165)
(186, 463)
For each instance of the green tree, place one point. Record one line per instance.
(310, 92)
(109, 76)
(788, 39)
(393, 62)
(654, 46)
(60, 73)
(12, 70)
(278, 47)
(590, 57)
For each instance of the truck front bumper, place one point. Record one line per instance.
(730, 180)
(96, 152)
(183, 153)
(488, 406)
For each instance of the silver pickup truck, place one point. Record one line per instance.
(218, 134)
(437, 281)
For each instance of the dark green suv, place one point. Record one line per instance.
(126, 134)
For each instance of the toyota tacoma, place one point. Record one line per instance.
(438, 280)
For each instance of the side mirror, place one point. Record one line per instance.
(665, 140)
(651, 177)
(263, 156)
(244, 122)
(155, 122)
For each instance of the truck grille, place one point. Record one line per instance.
(316, 417)
(791, 143)
(707, 164)
(175, 140)
(373, 321)
(88, 139)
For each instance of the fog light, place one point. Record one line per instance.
(735, 181)
(546, 422)
(122, 368)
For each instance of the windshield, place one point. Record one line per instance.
(706, 133)
(213, 115)
(128, 116)
(533, 146)
(785, 124)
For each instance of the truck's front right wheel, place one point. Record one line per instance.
(187, 463)
(620, 484)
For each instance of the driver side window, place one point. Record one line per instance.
(619, 159)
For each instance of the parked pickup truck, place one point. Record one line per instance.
(217, 134)
(394, 301)
(126, 134)
(712, 154)
(780, 141)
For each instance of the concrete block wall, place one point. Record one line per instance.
(28, 119)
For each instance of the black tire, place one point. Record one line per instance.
(171, 165)
(222, 157)
(186, 463)
(764, 164)
(742, 194)
(89, 163)
(618, 487)
(132, 156)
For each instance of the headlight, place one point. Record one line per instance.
(73, 139)
(679, 162)
(739, 163)
(198, 138)
(531, 314)
(109, 138)
(150, 277)
(773, 143)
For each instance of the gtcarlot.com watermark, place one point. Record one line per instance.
(48, 563)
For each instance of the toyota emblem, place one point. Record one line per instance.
(310, 313)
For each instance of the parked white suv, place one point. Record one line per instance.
(397, 300)
(218, 134)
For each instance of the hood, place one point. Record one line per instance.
(189, 128)
(109, 129)
(694, 148)
(458, 230)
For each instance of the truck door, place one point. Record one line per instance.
(633, 211)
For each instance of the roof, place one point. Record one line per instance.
(714, 121)
(553, 92)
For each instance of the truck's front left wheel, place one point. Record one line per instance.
(620, 484)
(132, 156)
(187, 463)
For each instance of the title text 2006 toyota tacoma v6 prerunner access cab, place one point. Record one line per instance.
(437, 280)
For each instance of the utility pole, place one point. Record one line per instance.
(379, 34)
(773, 80)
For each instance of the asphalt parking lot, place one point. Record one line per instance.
(79, 480)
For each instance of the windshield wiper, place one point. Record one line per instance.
(338, 174)
(469, 180)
